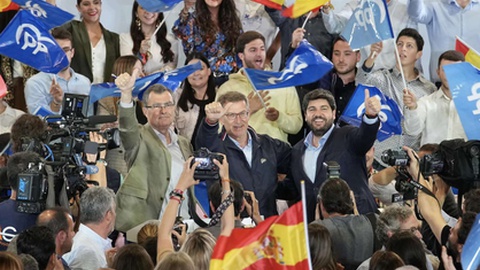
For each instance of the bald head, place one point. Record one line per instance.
(56, 219)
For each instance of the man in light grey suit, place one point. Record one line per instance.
(154, 153)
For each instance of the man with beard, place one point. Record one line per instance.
(326, 142)
(46, 90)
(280, 114)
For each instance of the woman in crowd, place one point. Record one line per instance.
(9, 261)
(132, 256)
(96, 48)
(199, 246)
(212, 29)
(385, 260)
(156, 53)
(321, 248)
(409, 248)
(198, 91)
(109, 106)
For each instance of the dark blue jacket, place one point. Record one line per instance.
(347, 146)
(269, 157)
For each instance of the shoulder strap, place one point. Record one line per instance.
(373, 222)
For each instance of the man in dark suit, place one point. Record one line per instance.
(326, 142)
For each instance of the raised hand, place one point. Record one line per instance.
(297, 36)
(255, 102)
(56, 92)
(372, 105)
(126, 82)
(409, 99)
(214, 111)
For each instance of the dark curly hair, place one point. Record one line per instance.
(188, 93)
(27, 126)
(228, 22)
(137, 36)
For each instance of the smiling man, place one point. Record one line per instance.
(281, 114)
(154, 154)
(326, 142)
(254, 159)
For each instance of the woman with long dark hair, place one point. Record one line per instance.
(212, 29)
(156, 53)
(198, 90)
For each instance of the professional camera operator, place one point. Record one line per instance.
(430, 208)
(13, 222)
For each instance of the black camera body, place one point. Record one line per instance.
(395, 158)
(206, 170)
(32, 190)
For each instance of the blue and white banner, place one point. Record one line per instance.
(45, 12)
(27, 40)
(390, 114)
(158, 5)
(171, 80)
(369, 23)
(464, 83)
(304, 66)
(471, 249)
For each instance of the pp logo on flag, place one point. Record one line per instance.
(475, 96)
(295, 67)
(368, 12)
(36, 10)
(31, 37)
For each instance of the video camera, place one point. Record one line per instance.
(61, 176)
(206, 170)
(455, 161)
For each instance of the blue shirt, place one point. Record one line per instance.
(12, 222)
(444, 20)
(311, 153)
(37, 89)
(247, 150)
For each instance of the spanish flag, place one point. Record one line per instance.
(276, 4)
(301, 7)
(278, 242)
(471, 56)
(6, 5)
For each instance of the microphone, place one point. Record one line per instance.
(99, 119)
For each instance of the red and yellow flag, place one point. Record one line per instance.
(278, 242)
(471, 55)
(301, 7)
(6, 5)
(276, 4)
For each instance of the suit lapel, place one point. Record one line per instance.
(321, 158)
(166, 153)
(86, 46)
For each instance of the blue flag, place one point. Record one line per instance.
(390, 114)
(305, 65)
(471, 248)
(45, 12)
(464, 83)
(27, 40)
(171, 80)
(158, 5)
(369, 23)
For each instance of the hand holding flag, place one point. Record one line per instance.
(125, 83)
(409, 99)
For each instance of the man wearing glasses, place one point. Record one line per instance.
(154, 154)
(254, 159)
(46, 90)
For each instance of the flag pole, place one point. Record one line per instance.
(306, 20)
(305, 220)
(256, 91)
(166, 14)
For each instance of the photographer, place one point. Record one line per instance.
(430, 208)
(166, 254)
(13, 222)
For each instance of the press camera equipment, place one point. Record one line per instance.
(62, 175)
(455, 161)
(32, 189)
(178, 229)
(206, 170)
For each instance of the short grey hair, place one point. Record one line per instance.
(157, 89)
(95, 203)
(390, 220)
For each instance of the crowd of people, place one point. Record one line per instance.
(251, 149)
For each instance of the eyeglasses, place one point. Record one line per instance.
(158, 106)
(231, 116)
